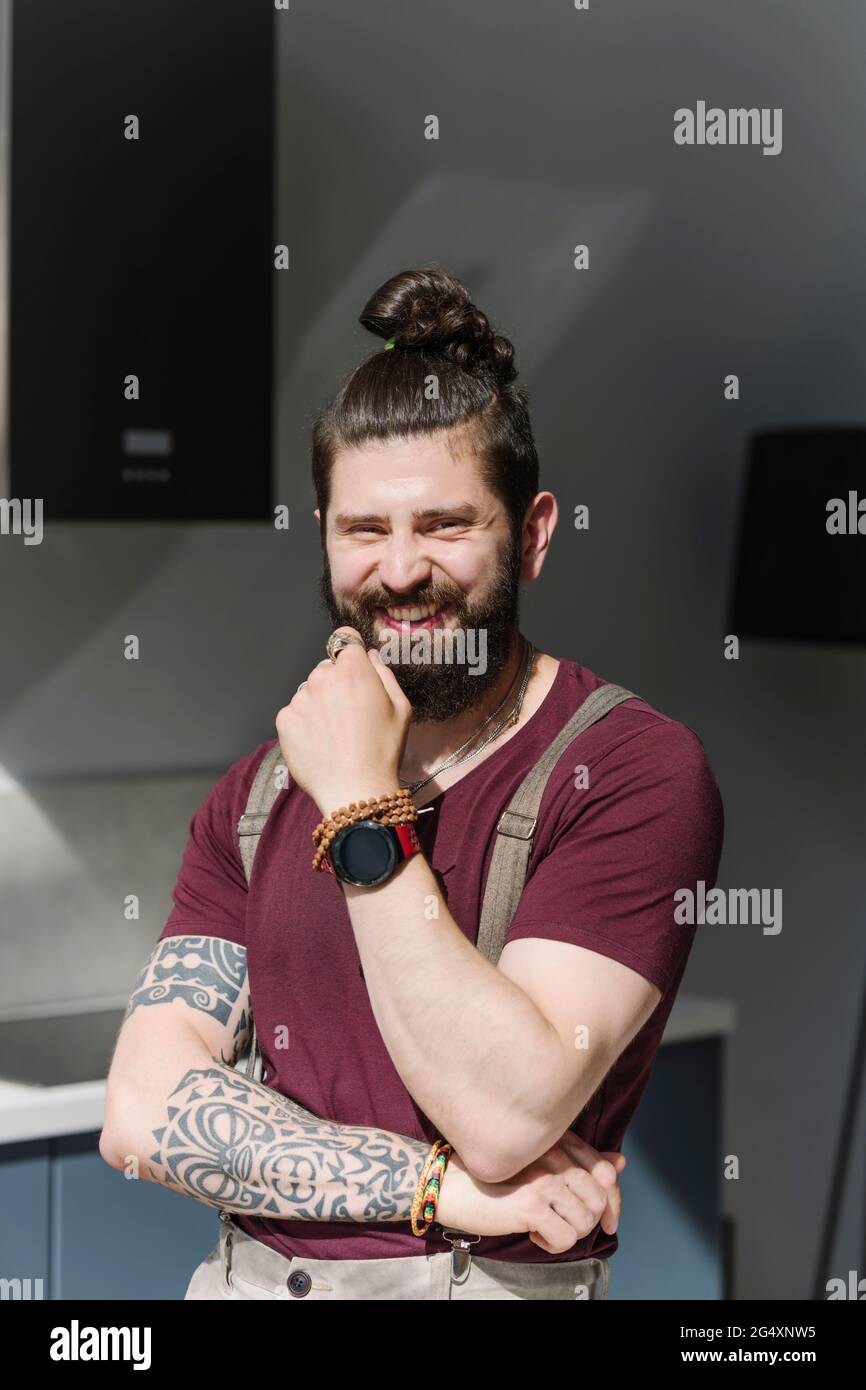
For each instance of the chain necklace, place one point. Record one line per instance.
(454, 759)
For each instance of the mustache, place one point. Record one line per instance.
(438, 597)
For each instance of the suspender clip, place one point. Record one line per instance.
(461, 1253)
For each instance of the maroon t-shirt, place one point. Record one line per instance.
(606, 862)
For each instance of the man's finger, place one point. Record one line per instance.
(388, 679)
(598, 1164)
(617, 1159)
(605, 1168)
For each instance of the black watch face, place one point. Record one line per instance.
(365, 853)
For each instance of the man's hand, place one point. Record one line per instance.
(342, 735)
(557, 1200)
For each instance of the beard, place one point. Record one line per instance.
(440, 689)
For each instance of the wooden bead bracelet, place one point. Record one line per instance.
(391, 808)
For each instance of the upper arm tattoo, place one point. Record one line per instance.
(206, 972)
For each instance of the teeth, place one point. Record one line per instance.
(412, 615)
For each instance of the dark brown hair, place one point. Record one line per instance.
(437, 331)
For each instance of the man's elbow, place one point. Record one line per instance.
(506, 1148)
(499, 1162)
(490, 1168)
(111, 1149)
(115, 1145)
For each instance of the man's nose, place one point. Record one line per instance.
(403, 569)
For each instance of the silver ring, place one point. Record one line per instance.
(337, 641)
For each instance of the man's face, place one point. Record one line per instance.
(410, 526)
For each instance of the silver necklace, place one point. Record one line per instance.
(454, 759)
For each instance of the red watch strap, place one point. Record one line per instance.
(408, 837)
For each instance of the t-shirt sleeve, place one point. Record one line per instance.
(651, 821)
(210, 894)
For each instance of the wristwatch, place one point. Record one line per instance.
(367, 852)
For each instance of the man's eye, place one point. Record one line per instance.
(377, 530)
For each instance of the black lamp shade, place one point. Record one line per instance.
(795, 579)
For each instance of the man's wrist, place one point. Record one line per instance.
(448, 1211)
(364, 786)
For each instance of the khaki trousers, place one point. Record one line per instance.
(241, 1268)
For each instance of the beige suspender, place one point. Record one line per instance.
(517, 823)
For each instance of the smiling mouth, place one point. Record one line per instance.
(414, 616)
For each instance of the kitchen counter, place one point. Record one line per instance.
(43, 1112)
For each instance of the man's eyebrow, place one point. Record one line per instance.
(467, 510)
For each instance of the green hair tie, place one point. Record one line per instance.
(390, 343)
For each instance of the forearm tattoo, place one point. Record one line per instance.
(235, 1143)
(205, 972)
(238, 1145)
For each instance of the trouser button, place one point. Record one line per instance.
(299, 1283)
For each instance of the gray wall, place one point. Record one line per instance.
(556, 128)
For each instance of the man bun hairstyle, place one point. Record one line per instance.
(437, 332)
(429, 309)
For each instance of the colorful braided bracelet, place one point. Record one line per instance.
(426, 1198)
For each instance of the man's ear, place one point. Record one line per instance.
(539, 525)
(317, 515)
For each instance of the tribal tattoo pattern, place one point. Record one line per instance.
(240, 1146)
(206, 972)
